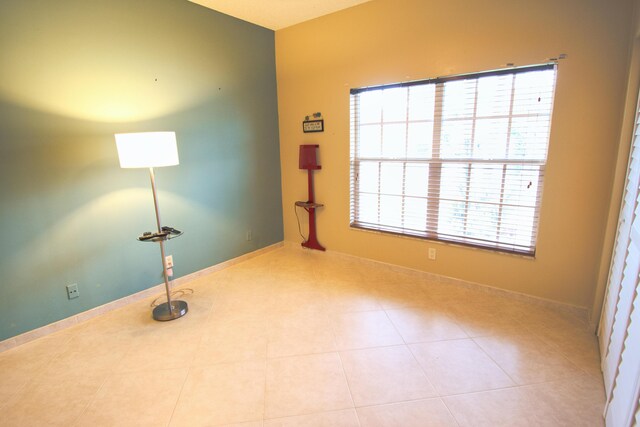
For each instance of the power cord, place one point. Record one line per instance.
(304, 239)
(177, 293)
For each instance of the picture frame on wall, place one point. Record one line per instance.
(310, 126)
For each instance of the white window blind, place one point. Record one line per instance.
(459, 159)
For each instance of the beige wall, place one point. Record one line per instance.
(394, 40)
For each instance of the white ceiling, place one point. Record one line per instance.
(277, 14)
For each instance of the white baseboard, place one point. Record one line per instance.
(122, 302)
(580, 312)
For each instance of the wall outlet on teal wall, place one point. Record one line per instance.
(72, 291)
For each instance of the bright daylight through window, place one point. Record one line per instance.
(458, 159)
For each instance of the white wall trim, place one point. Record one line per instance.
(580, 312)
(122, 302)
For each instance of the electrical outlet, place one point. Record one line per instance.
(169, 261)
(72, 291)
(249, 235)
(432, 253)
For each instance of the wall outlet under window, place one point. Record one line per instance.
(432, 253)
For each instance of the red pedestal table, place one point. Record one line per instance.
(309, 161)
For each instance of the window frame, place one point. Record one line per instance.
(435, 173)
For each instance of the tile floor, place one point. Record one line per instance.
(299, 338)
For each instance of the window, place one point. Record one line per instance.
(458, 159)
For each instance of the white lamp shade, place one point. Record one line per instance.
(147, 149)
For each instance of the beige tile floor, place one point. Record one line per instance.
(299, 338)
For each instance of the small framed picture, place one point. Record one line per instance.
(313, 126)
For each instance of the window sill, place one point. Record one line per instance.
(496, 251)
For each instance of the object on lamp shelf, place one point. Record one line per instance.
(149, 150)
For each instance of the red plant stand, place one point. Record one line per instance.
(309, 161)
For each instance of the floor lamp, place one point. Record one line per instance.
(149, 150)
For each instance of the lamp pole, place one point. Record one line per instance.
(164, 259)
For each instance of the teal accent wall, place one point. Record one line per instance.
(73, 73)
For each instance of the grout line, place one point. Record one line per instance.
(515, 384)
(424, 371)
(558, 349)
(413, 356)
(493, 360)
(440, 398)
(111, 371)
(38, 374)
(336, 350)
(200, 339)
(306, 414)
(16, 392)
(175, 406)
(266, 377)
(421, 399)
(450, 412)
(76, 420)
(415, 359)
(509, 387)
(346, 380)
(395, 328)
(513, 387)
(344, 372)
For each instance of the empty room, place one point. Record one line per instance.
(341, 213)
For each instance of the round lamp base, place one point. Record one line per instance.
(162, 312)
